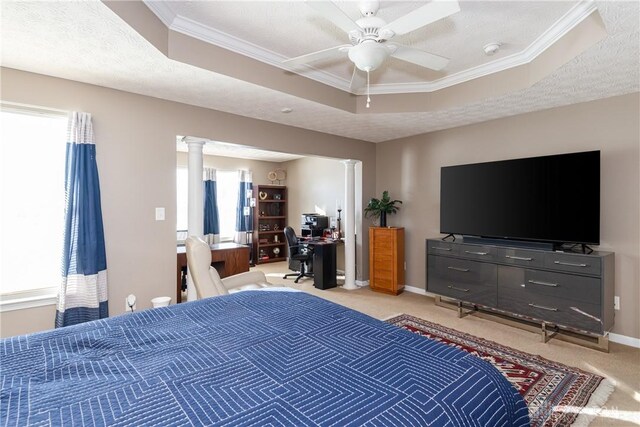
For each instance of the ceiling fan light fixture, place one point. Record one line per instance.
(368, 55)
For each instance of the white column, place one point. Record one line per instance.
(350, 226)
(195, 213)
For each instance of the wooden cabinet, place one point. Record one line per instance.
(269, 221)
(386, 259)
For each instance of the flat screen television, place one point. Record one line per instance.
(546, 199)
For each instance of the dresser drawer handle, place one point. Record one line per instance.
(440, 249)
(519, 258)
(570, 264)
(543, 307)
(457, 289)
(536, 282)
(476, 253)
(464, 270)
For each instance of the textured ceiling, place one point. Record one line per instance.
(87, 42)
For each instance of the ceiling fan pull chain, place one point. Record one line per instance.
(368, 91)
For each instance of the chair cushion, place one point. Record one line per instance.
(217, 282)
(249, 287)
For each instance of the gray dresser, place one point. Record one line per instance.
(569, 290)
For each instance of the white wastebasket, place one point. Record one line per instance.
(161, 302)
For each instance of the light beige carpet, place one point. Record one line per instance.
(621, 365)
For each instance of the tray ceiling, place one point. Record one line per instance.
(88, 42)
(289, 29)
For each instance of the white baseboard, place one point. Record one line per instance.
(362, 283)
(623, 339)
(415, 290)
(617, 338)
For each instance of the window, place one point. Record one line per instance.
(227, 186)
(32, 158)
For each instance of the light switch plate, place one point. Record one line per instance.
(159, 214)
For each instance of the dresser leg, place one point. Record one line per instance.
(546, 336)
(462, 312)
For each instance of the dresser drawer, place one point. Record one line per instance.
(560, 311)
(438, 247)
(573, 263)
(554, 285)
(464, 280)
(481, 253)
(520, 257)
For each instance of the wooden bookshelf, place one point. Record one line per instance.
(269, 221)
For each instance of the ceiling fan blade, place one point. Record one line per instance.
(334, 14)
(357, 80)
(419, 57)
(431, 12)
(332, 52)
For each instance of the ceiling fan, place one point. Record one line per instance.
(370, 35)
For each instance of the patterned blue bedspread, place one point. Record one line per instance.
(251, 358)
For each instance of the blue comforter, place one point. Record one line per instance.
(251, 358)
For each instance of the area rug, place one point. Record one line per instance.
(555, 393)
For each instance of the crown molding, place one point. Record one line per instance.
(562, 26)
(227, 41)
(162, 10)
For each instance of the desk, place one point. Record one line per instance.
(227, 258)
(324, 263)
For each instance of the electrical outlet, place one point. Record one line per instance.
(130, 304)
(616, 303)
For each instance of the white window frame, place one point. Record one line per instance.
(39, 297)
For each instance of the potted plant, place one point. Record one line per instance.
(379, 208)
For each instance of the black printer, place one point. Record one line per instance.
(314, 224)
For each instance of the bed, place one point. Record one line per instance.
(250, 358)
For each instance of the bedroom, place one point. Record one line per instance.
(136, 133)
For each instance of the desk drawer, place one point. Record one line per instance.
(573, 263)
(520, 257)
(554, 285)
(464, 280)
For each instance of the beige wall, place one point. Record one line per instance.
(18, 322)
(314, 182)
(410, 169)
(136, 156)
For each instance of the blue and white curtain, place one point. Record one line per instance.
(83, 292)
(244, 212)
(211, 217)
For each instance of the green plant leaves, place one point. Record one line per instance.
(385, 204)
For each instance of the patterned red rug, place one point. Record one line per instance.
(555, 393)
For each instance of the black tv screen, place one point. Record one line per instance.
(551, 198)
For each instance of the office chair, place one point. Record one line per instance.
(300, 256)
(206, 279)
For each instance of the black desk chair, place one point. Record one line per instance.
(300, 256)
